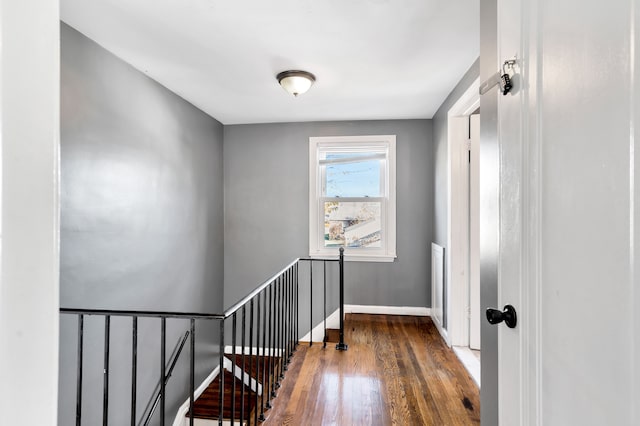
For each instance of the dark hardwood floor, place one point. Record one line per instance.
(397, 371)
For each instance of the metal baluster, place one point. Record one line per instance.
(324, 279)
(265, 386)
(291, 313)
(163, 361)
(260, 359)
(134, 368)
(105, 390)
(287, 328)
(79, 365)
(297, 304)
(192, 362)
(221, 374)
(276, 345)
(311, 303)
(243, 369)
(281, 329)
(283, 355)
(341, 346)
(294, 338)
(270, 360)
(255, 376)
(274, 336)
(233, 368)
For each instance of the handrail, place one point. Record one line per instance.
(150, 314)
(167, 377)
(248, 297)
(197, 315)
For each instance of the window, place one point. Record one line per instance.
(352, 202)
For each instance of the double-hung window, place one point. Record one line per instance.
(352, 202)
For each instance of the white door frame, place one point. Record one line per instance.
(475, 311)
(29, 210)
(457, 261)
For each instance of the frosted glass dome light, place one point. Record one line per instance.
(296, 82)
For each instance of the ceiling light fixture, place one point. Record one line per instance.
(296, 82)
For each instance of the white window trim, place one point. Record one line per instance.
(315, 251)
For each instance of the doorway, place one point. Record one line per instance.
(463, 264)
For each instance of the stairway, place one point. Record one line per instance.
(239, 399)
(243, 402)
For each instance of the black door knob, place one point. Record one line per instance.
(508, 315)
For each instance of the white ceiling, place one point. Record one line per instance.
(373, 59)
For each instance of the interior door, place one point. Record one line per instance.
(568, 213)
(511, 112)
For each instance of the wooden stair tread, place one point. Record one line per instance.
(251, 363)
(207, 406)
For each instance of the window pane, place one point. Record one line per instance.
(352, 224)
(357, 178)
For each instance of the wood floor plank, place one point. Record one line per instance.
(397, 371)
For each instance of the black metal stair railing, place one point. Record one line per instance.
(135, 316)
(268, 335)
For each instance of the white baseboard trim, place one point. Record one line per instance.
(333, 320)
(415, 311)
(442, 332)
(470, 362)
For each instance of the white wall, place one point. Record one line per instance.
(29, 121)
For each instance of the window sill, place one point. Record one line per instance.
(382, 258)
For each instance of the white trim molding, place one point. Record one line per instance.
(29, 211)
(333, 320)
(443, 333)
(470, 362)
(457, 260)
(380, 146)
(317, 334)
(416, 311)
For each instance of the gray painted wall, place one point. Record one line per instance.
(440, 134)
(141, 222)
(266, 184)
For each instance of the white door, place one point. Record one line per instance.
(474, 232)
(569, 196)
